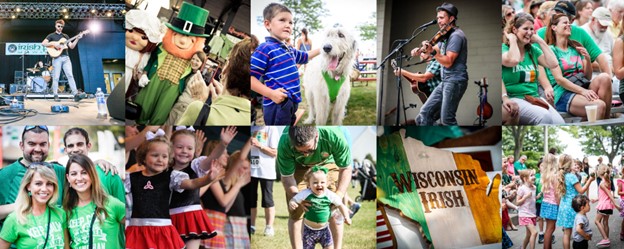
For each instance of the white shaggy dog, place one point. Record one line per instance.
(326, 78)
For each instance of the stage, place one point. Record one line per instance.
(37, 110)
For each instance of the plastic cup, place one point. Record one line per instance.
(591, 110)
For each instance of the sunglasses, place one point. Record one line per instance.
(32, 127)
(59, 26)
(510, 14)
(40, 164)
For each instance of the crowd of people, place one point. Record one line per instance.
(561, 57)
(555, 193)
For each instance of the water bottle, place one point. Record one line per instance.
(14, 103)
(101, 104)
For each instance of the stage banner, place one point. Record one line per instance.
(27, 48)
(446, 193)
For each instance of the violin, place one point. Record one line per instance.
(484, 110)
(436, 38)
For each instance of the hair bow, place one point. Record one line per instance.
(151, 135)
(182, 127)
(321, 168)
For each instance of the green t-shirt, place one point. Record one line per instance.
(570, 63)
(522, 79)
(320, 205)
(580, 35)
(538, 187)
(332, 147)
(33, 233)
(519, 166)
(105, 235)
(12, 175)
(112, 184)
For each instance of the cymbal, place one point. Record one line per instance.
(32, 70)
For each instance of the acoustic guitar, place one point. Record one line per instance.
(421, 95)
(54, 52)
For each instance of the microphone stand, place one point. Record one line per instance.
(398, 51)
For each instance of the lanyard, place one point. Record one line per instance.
(91, 230)
(48, 229)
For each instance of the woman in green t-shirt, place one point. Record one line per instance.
(36, 223)
(574, 60)
(522, 51)
(94, 218)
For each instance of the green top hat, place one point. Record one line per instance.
(190, 20)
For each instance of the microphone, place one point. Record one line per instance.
(432, 22)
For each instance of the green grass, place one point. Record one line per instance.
(361, 108)
(361, 234)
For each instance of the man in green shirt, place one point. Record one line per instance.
(34, 145)
(76, 141)
(299, 149)
(519, 165)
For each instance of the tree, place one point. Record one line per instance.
(600, 140)
(368, 30)
(529, 141)
(306, 14)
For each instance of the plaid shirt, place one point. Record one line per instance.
(435, 68)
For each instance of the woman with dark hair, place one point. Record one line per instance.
(195, 88)
(94, 218)
(232, 106)
(304, 43)
(584, 9)
(574, 64)
(522, 51)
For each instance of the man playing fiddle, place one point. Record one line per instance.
(451, 52)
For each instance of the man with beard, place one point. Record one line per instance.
(451, 52)
(34, 145)
(597, 29)
(76, 141)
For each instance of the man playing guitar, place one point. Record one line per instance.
(431, 78)
(61, 62)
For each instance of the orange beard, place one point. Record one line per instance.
(175, 51)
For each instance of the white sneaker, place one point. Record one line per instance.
(268, 231)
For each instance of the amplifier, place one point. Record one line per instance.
(13, 88)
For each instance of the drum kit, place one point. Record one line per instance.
(38, 77)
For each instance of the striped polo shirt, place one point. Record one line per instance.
(275, 62)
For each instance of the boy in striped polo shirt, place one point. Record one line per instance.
(275, 62)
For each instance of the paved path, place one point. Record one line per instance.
(614, 224)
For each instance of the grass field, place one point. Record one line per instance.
(361, 108)
(361, 234)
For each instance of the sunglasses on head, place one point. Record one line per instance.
(32, 127)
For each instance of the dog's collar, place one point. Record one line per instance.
(333, 85)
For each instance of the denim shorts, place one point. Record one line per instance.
(563, 105)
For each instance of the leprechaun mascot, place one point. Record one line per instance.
(170, 63)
